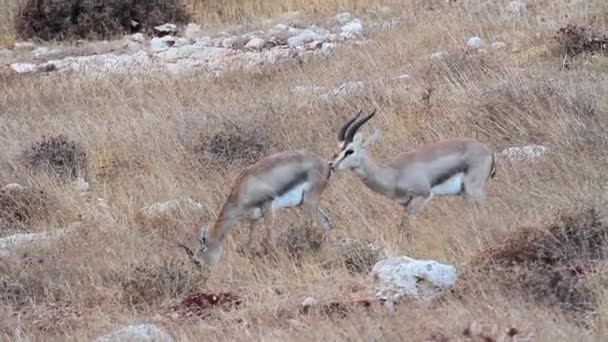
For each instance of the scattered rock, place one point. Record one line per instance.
(498, 45)
(162, 210)
(13, 187)
(416, 279)
(328, 49)
(166, 29)
(255, 44)
(162, 43)
(42, 52)
(529, 152)
(349, 88)
(22, 68)
(439, 55)
(352, 30)
(234, 42)
(138, 333)
(12, 241)
(181, 41)
(403, 77)
(517, 7)
(193, 31)
(81, 185)
(306, 36)
(200, 304)
(343, 18)
(25, 45)
(137, 37)
(474, 43)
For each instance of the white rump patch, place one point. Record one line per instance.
(451, 186)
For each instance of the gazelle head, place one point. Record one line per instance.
(209, 252)
(350, 144)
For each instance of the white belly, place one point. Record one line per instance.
(451, 186)
(290, 199)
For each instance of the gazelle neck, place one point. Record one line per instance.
(380, 179)
(221, 227)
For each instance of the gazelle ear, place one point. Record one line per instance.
(374, 138)
(358, 139)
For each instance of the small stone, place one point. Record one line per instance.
(255, 44)
(81, 185)
(281, 27)
(161, 44)
(328, 49)
(498, 45)
(166, 29)
(181, 41)
(474, 43)
(352, 30)
(193, 31)
(310, 301)
(403, 77)
(138, 333)
(13, 187)
(24, 45)
(22, 68)
(439, 55)
(137, 37)
(343, 18)
(516, 7)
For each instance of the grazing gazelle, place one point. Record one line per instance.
(286, 179)
(450, 167)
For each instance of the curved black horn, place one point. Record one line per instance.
(346, 125)
(350, 134)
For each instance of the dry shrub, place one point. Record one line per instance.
(200, 304)
(151, 284)
(576, 39)
(68, 19)
(233, 146)
(299, 240)
(551, 265)
(58, 156)
(356, 255)
(22, 206)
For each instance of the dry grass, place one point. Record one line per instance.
(139, 134)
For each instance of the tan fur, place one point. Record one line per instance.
(258, 185)
(411, 177)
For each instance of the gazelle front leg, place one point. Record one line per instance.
(268, 242)
(247, 248)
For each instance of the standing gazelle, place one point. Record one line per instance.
(450, 167)
(286, 179)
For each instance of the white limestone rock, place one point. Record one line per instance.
(352, 30)
(526, 152)
(166, 29)
(416, 279)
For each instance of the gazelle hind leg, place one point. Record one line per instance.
(475, 182)
(268, 243)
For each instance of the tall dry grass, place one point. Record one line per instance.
(141, 136)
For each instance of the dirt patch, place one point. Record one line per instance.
(200, 304)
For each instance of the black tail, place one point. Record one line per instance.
(493, 172)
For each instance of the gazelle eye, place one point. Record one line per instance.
(348, 153)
